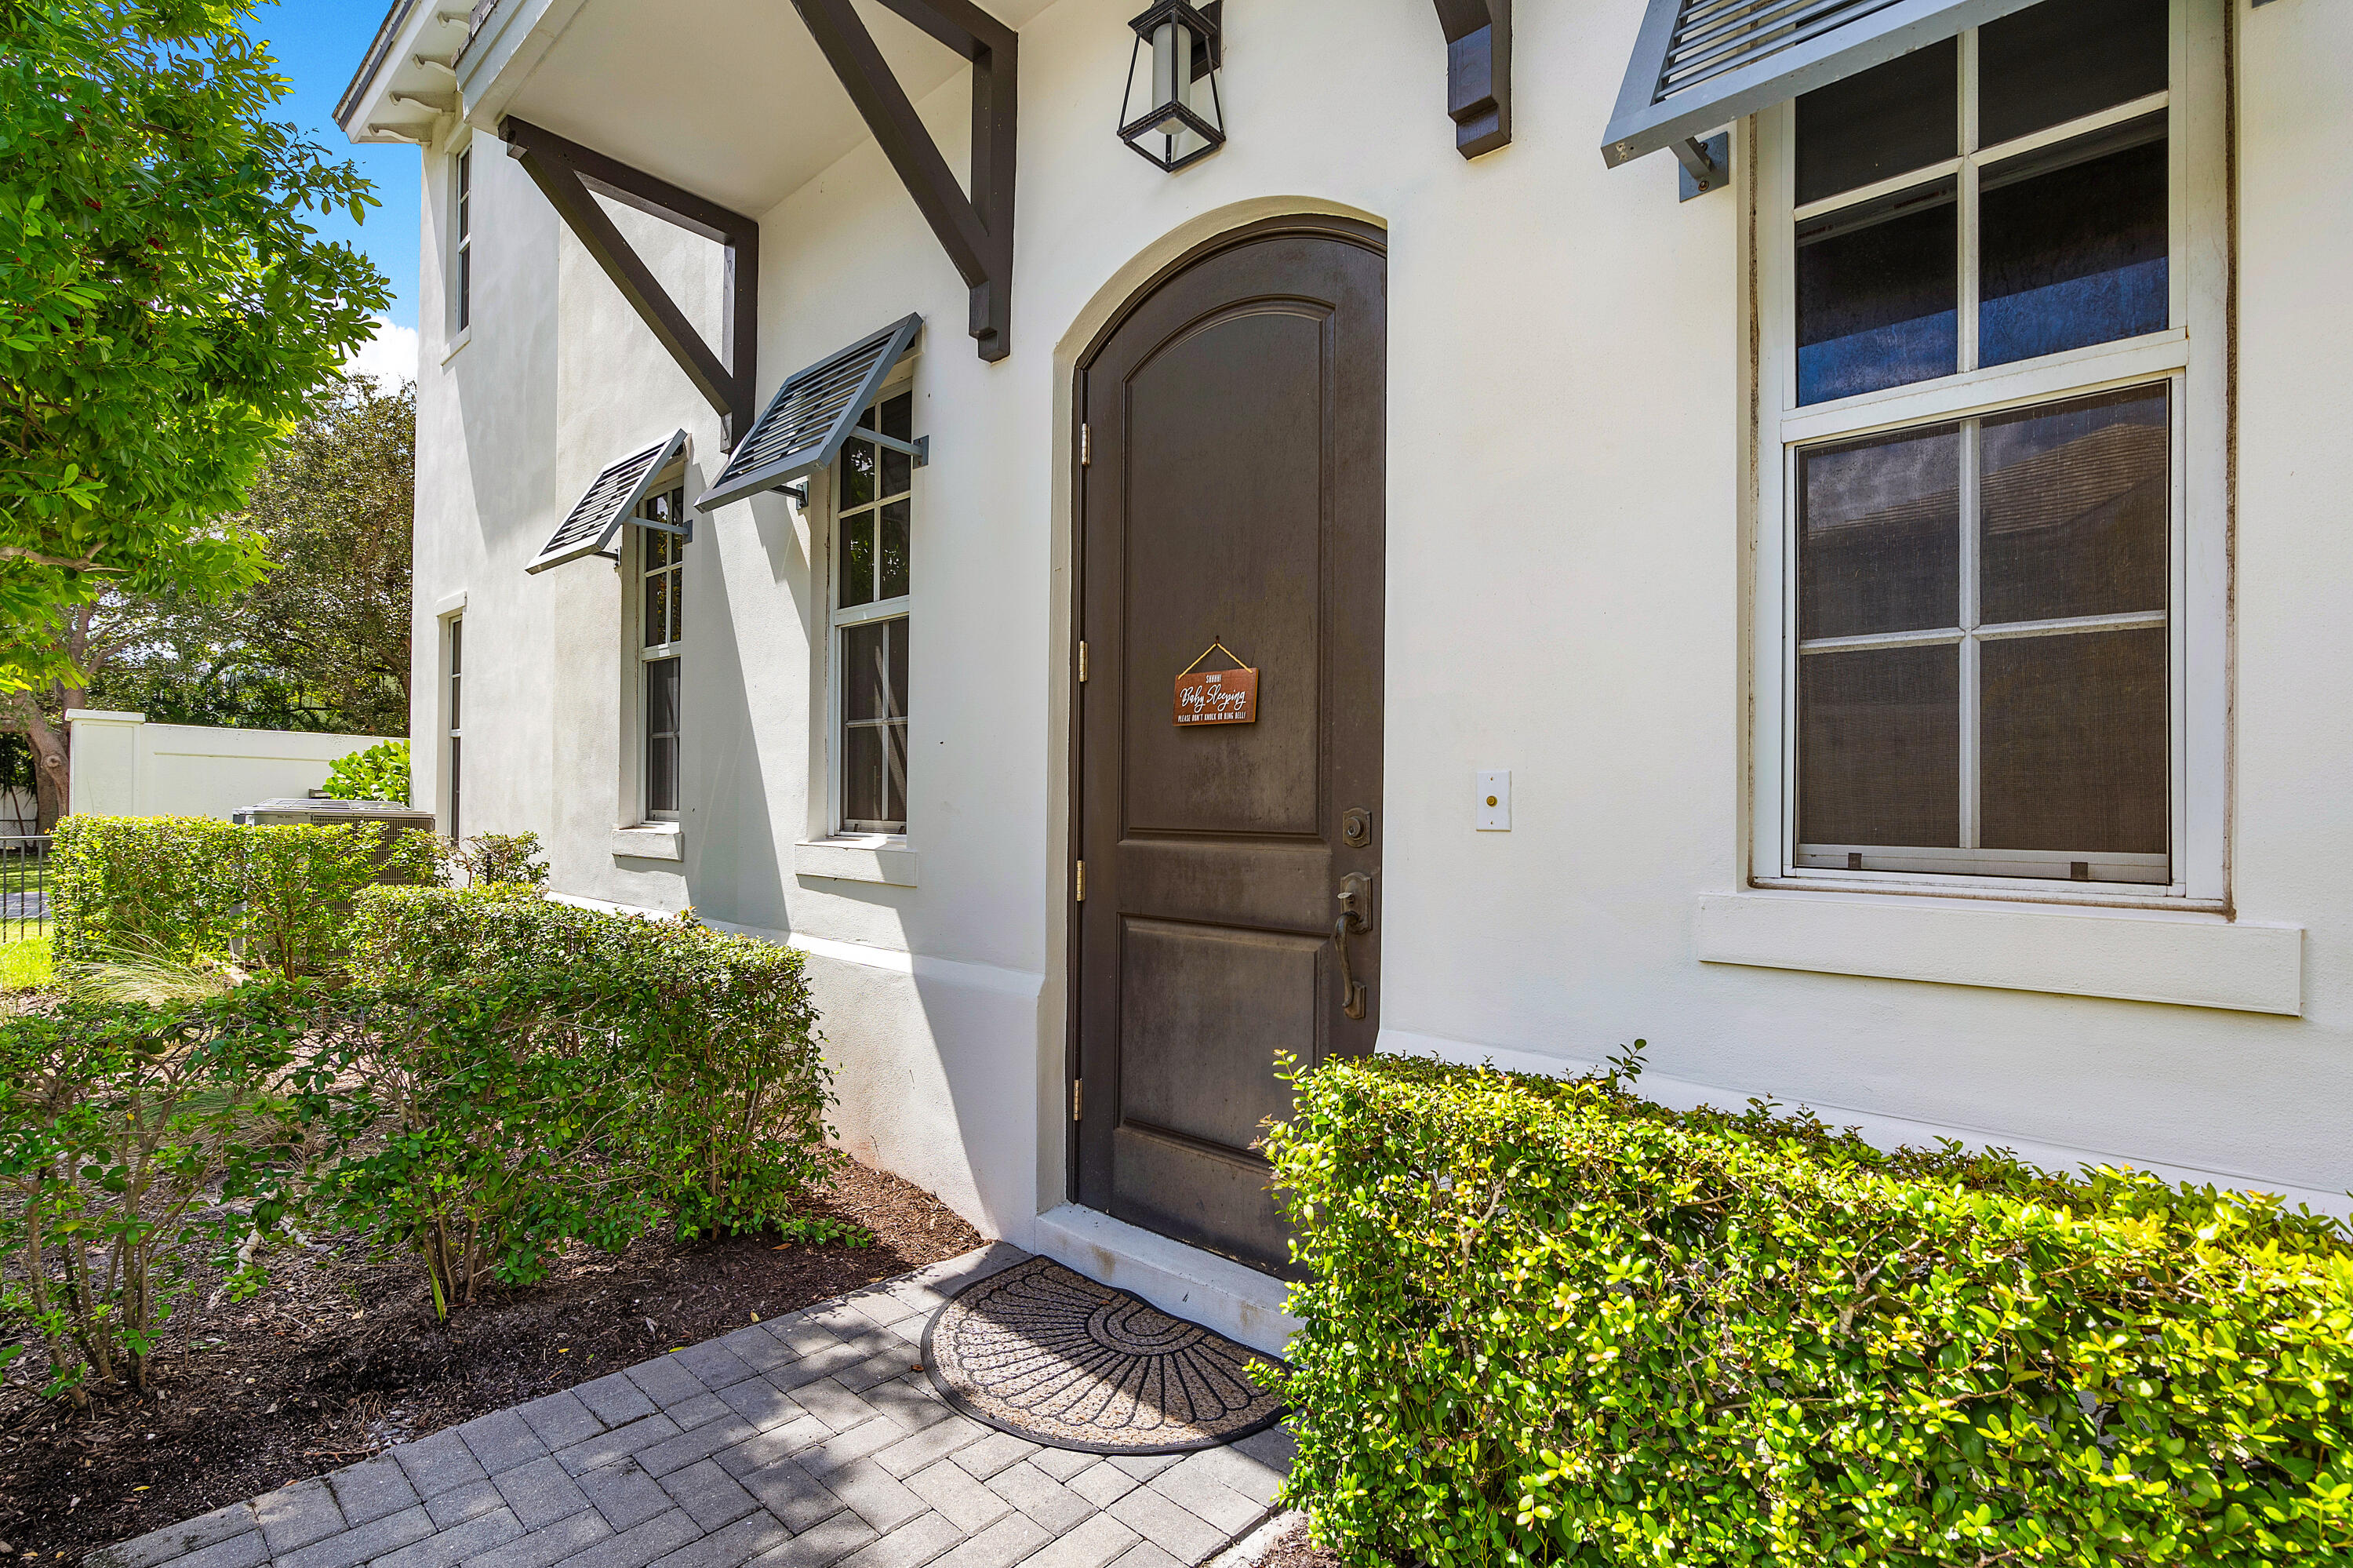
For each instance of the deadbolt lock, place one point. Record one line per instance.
(1356, 827)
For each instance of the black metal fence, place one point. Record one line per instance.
(23, 885)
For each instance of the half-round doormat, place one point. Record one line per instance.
(1050, 1355)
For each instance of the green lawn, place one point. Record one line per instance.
(26, 963)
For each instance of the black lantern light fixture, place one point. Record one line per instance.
(1172, 114)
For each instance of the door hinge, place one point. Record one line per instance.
(1078, 1099)
(1086, 445)
(1083, 883)
(1082, 662)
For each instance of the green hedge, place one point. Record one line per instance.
(545, 1074)
(194, 887)
(1551, 1324)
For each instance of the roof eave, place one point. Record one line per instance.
(394, 21)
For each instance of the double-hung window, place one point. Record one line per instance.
(461, 250)
(457, 730)
(1991, 406)
(661, 644)
(873, 515)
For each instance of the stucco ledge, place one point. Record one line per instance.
(857, 859)
(653, 840)
(2185, 960)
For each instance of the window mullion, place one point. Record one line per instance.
(1972, 792)
(1965, 218)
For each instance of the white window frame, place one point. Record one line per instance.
(2191, 354)
(637, 655)
(453, 714)
(461, 241)
(837, 825)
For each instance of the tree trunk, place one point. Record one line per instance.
(52, 760)
(52, 743)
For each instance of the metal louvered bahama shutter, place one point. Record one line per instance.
(1701, 64)
(589, 528)
(804, 427)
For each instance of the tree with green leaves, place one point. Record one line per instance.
(336, 503)
(166, 312)
(321, 643)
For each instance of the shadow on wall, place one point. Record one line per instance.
(935, 1061)
(735, 865)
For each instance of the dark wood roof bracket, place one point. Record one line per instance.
(1478, 73)
(567, 173)
(976, 231)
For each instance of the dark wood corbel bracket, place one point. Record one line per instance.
(568, 173)
(1478, 73)
(976, 231)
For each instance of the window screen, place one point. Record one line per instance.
(1983, 612)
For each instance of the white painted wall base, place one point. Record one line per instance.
(1241, 1303)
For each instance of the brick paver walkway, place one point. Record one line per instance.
(804, 1443)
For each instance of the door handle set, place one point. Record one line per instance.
(1355, 919)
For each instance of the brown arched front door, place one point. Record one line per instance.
(1231, 495)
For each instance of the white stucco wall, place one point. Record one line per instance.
(1566, 559)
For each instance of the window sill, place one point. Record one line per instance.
(465, 336)
(2184, 960)
(650, 840)
(857, 857)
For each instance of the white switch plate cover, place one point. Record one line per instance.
(1496, 801)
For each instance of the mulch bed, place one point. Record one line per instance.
(342, 1357)
(1293, 1549)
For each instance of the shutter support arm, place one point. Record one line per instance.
(1478, 73)
(567, 172)
(1706, 165)
(977, 232)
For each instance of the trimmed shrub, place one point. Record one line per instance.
(378, 773)
(470, 1126)
(550, 1073)
(187, 888)
(115, 1125)
(1548, 1322)
(162, 885)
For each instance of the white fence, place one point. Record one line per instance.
(125, 767)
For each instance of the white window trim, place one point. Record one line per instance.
(449, 752)
(642, 831)
(886, 850)
(457, 248)
(2192, 354)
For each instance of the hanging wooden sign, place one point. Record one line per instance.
(1218, 696)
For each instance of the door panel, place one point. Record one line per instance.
(1202, 1013)
(1235, 496)
(1208, 1198)
(1225, 496)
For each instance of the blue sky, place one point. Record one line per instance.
(319, 44)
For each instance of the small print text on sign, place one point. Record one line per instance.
(1218, 696)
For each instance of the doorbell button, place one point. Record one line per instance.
(1494, 802)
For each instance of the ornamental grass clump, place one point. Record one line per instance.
(1548, 1322)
